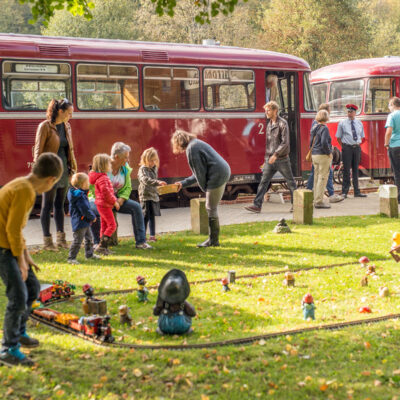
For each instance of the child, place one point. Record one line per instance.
(16, 265)
(105, 199)
(148, 195)
(81, 217)
(175, 313)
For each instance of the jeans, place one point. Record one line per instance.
(394, 157)
(351, 159)
(129, 207)
(20, 296)
(54, 197)
(269, 170)
(79, 235)
(213, 197)
(329, 185)
(150, 219)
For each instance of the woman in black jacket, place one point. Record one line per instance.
(321, 157)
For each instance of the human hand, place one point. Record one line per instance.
(162, 183)
(272, 159)
(116, 205)
(30, 262)
(94, 220)
(179, 184)
(23, 267)
(120, 201)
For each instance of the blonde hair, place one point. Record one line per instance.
(273, 105)
(322, 116)
(100, 162)
(79, 179)
(181, 139)
(324, 106)
(148, 155)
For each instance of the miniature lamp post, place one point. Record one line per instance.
(124, 317)
(142, 291)
(364, 260)
(225, 286)
(308, 307)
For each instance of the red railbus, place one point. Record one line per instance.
(369, 84)
(140, 93)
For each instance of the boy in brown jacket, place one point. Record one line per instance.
(16, 265)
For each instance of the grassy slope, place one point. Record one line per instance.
(361, 362)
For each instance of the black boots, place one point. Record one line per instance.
(102, 247)
(213, 239)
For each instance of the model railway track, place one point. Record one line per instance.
(230, 342)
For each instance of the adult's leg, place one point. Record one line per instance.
(76, 243)
(354, 166)
(135, 210)
(47, 206)
(17, 294)
(310, 181)
(321, 163)
(284, 167)
(269, 171)
(213, 197)
(59, 208)
(394, 157)
(33, 289)
(329, 184)
(347, 155)
(95, 226)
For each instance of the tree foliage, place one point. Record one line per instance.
(14, 18)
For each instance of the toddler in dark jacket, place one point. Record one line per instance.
(81, 217)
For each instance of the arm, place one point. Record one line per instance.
(188, 181)
(283, 147)
(339, 134)
(107, 190)
(125, 192)
(326, 141)
(144, 177)
(84, 209)
(158, 307)
(189, 309)
(198, 164)
(388, 135)
(40, 140)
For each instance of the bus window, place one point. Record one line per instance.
(107, 87)
(308, 94)
(228, 89)
(345, 92)
(319, 91)
(378, 95)
(30, 85)
(171, 88)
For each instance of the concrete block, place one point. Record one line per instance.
(388, 204)
(303, 206)
(199, 216)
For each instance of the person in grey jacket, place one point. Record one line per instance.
(210, 171)
(148, 194)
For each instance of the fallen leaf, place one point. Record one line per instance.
(137, 372)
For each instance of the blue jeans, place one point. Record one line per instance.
(20, 296)
(329, 184)
(129, 207)
(269, 170)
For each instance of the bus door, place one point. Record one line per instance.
(287, 100)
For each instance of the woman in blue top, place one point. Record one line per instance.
(210, 171)
(392, 139)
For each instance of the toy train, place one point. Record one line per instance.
(95, 326)
(56, 291)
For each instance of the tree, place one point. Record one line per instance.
(320, 31)
(206, 9)
(14, 18)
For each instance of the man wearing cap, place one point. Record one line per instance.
(350, 134)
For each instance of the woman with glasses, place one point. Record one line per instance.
(54, 135)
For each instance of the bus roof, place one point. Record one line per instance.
(66, 48)
(385, 66)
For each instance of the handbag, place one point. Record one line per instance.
(309, 154)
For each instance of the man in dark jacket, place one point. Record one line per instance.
(276, 155)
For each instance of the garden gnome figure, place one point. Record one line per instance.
(282, 227)
(89, 292)
(225, 286)
(308, 307)
(289, 279)
(142, 291)
(173, 311)
(364, 281)
(124, 317)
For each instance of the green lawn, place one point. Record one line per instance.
(360, 362)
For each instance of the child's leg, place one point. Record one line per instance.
(146, 221)
(17, 294)
(152, 223)
(76, 243)
(88, 243)
(33, 287)
(103, 225)
(110, 225)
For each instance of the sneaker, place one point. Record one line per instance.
(144, 246)
(152, 239)
(360, 195)
(253, 209)
(291, 209)
(13, 356)
(322, 205)
(335, 198)
(93, 257)
(26, 341)
(73, 261)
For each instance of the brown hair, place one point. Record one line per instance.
(395, 101)
(54, 106)
(48, 165)
(148, 155)
(273, 105)
(324, 106)
(100, 162)
(79, 179)
(322, 116)
(181, 139)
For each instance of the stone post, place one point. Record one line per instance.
(303, 206)
(199, 216)
(388, 203)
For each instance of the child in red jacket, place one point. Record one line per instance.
(105, 199)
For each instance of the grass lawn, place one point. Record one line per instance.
(354, 363)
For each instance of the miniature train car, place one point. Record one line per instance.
(56, 291)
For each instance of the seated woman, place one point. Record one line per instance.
(120, 177)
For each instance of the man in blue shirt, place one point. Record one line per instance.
(392, 139)
(350, 134)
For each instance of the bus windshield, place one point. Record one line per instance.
(345, 92)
